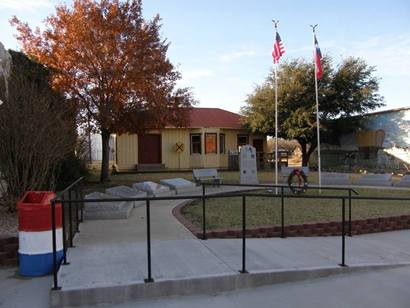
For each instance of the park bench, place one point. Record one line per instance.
(335, 178)
(404, 182)
(375, 180)
(206, 176)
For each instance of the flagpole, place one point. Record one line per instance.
(317, 114)
(276, 127)
(275, 22)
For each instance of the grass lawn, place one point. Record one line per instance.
(261, 211)
(128, 179)
(226, 212)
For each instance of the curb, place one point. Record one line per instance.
(199, 285)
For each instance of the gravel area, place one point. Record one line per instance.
(8, 223)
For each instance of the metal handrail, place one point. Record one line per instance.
(69, 187)
(243, 194)
(61, 199)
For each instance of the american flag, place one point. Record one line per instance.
(278, 49)
(318, 57)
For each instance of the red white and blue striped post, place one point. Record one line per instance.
(35, 233)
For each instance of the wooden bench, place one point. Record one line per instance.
(206, 175)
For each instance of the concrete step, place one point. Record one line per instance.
(150, 167)
(198, 285)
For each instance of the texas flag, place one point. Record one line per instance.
(318, 57)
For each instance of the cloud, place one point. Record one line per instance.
(229, 57)
(389, 53)
(196, 74)
(25, 4)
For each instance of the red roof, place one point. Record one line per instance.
(214, 117)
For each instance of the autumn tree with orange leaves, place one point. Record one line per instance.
(111, 63)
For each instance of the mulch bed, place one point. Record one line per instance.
(8, 223)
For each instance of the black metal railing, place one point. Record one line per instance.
(282, 196)
(244, 194)
(72, 216)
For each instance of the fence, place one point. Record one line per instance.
(78, 203)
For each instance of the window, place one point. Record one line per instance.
(222, 143)
(242, 140)
(196, 144)
(210, 143)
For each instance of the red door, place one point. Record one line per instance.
(149, 149)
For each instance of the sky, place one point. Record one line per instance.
(223, 47)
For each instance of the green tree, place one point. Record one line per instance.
(345, 90)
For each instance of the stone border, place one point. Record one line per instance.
(332, 228)
(9, 251)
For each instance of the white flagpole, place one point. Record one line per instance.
(276, 127)
(317, 115)
(275, 22)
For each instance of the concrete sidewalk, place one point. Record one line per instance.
(164, 226)
(17, 291)
(116, 264)
(109, 262)
(98, 273)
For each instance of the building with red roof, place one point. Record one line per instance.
(210, 135)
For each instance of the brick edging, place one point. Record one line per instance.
(362, 226)
(9, 251)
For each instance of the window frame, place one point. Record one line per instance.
(237, 140)
(216, 143)
(222, 144)
(191, 143)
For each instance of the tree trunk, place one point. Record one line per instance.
(105, 162)
(305, 156)
(312, 148)
(306, 153)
